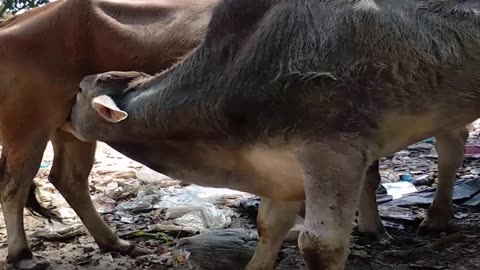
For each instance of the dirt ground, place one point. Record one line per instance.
(74, 248)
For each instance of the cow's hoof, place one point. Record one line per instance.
(127, 248)
(382, 236)
(33, 263)
(436, 227)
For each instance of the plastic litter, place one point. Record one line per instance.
(388, 176)
(119, 190)
(472, 151)
(138, 205)
(150, 176)
(423, 180)
(475, 171)
(174, 228)
(420, 146)
(394, 213)
(393, 225)
(58, 232)
(250, 206)
(66, 213)
(406, 178)
(383, 198)
(193, 206)
(145, 200)
(45, 164)
(381, 190)
(103, 204)
(463, 191)
(219, 249)
(398, 189)
(207, 194)
(430, 140)
(473, 202)
(127, 219)
(202, 217)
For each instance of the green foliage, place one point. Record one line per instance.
(14, 6)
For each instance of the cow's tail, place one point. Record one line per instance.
(34, 206)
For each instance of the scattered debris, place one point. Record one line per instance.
(402, 215)
(474, 202)
(150, 176)
(193, 206)
(146, 200)
(472, 151)
(118, 190)
(45, 164)
(249, 206)
(399, 189)
(147, 235)
(463, 191)
(104, 204)
(175, 228)
(216, 250)
(59, 232)
(181, 259)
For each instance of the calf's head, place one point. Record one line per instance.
(96, 109)
(203, 94)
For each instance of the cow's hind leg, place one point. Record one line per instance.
(451, 149)
(334, 173)
(369, 222)
(274, 220)
(21, 157)
(73, 161)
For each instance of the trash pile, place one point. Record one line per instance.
(408, 183)
(189, 208)
(127, 194)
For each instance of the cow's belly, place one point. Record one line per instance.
(267, 172)
(399, 130)
(275, 173)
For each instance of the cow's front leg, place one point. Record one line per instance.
(72, 164)
(274, 220)
(334, 173)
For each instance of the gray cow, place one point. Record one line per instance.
(295, 99)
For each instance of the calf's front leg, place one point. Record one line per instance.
(334, 173)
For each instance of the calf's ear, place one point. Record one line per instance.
(108, 110)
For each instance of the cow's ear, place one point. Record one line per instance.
(108, 110)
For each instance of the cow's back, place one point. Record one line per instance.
(395, 54)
